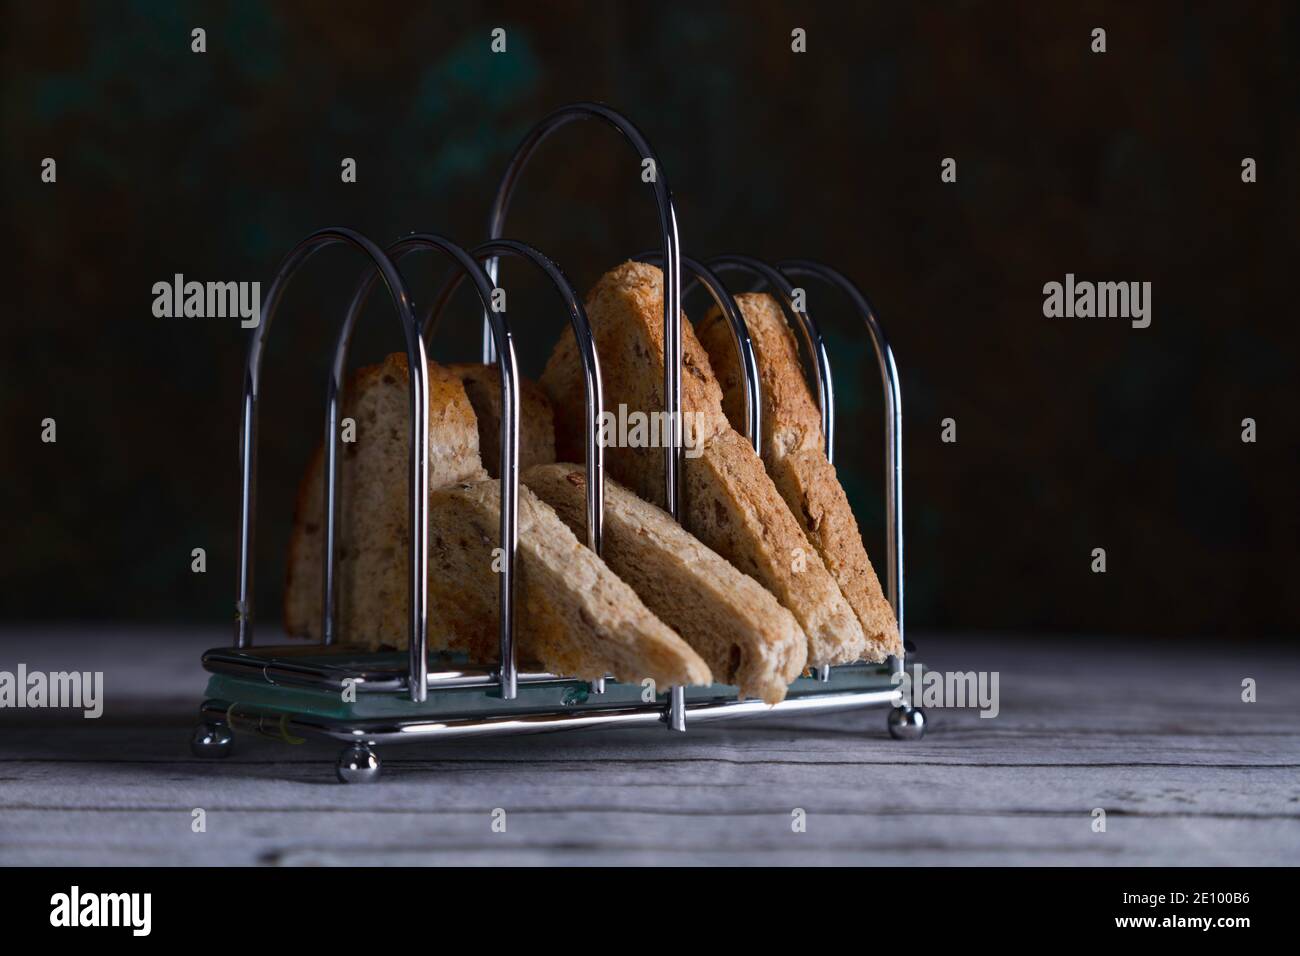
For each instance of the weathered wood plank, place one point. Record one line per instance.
(546, 835)
(1186, 772)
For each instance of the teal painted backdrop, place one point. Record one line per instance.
(1071, 434)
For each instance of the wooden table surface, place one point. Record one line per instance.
(1156, 735)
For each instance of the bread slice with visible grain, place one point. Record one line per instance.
(574, 616)
(536, 420)
(743, 633)
(794, 455)
(374, 517)
(730, 503)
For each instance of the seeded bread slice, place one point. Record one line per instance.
(536, 420)
(794, 454)
(730, 503)
(575, 616)
(745, 636)
(374, 518)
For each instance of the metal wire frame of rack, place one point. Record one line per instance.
(291, 692)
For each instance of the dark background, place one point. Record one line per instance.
(1073, 433)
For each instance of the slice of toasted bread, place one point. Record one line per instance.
(536, 420)
(730, 503)
(745, 636)
(374, 522)
(794, 455)
(575, 616)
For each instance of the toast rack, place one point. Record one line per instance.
(369, 699)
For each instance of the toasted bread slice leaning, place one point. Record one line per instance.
(794, 454)
(745, 636)
(575, 616)
(536, 420)
(730, 503)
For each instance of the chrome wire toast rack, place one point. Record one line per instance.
(365, 699)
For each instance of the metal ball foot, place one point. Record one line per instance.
(906, 723)
(212, 739)
(358, 764)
